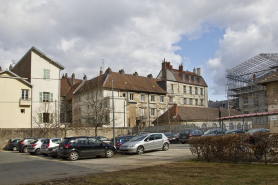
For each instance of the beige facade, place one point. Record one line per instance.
(15, 102)
(272, 100)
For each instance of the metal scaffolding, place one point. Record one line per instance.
(241, 87)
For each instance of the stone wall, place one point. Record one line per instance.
(7, 134)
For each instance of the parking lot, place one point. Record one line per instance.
(20, 168)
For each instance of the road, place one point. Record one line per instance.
(20, 168)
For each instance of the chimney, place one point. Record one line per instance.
(194, 70)
(182, 76)
(199, 71)
(164, 70)
(150, 76)
(0, 68)
(11, 67)
(175, 109)
(181, 68)
(135, 74)
(66, 75)
(171, 67)
(254, 77)
(122, 72)
(72, 79)
(100, 72)
(85, 77)
(108, 71)
(63, 76)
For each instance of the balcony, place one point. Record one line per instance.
(25, 102)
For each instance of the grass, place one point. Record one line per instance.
(185, 172)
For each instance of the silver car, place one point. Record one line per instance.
(146, 142)
(35, 146)
(49, 143)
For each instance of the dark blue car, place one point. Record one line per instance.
(120, 140)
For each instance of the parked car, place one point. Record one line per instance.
(140, 133)
(146, 142)
(174, 138)
(103, 139)
(214, 132)
(12, 144)
(187, 134)
(77, 147)
(168, 134)
(235, 131)
(52, 151)
(253, 131)
(47, 143)
(120, 140)
(22, 144)
(35, 146)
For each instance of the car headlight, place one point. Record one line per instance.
(131, 146)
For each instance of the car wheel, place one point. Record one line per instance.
(24, 150)
(109, 153)
(165, 146)
(73, 156)
(64, 158)
(45, 154)
(140, 150)
(14, 148)
(38, 152)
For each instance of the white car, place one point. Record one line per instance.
(146, 142)
(47, 143)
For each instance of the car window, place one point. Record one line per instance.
(46, 141)
(73, 141)
(57, 141)
(185, 132)
(158, 136)
(94, 141)
(33, 142)
(151, 137)
(82, 141)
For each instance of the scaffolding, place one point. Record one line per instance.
(242, 87)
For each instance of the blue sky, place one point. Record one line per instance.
(137, 35)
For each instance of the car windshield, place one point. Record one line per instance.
(139, 138)
(33, 142)
(57, 141)
(255, 130)
(209, 132)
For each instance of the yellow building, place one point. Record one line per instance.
(15, 101)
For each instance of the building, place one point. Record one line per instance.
(271, 84)
(15, 102)
(137, 100)
(183, 87)
(44, 74)
(199, 117)
(242, 86)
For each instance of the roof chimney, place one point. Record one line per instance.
(66, 75)
(199, 71)
(181, 68)
(175, 109)
(11, 67)
(122, 72)
(135, 74)
(85, 77)
(108, 71)
(254, 77)
(194, 70)
(100, 72)
(72, 79)
(150, 76)
(164, 70)
(171, 67)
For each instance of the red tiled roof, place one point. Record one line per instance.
(66, 85)
(200, 83)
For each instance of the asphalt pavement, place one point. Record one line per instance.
(20, 168)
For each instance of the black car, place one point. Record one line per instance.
(235, 131)
(174, 138)
(84, 146)
(187, 134)
(215, 132)
(52, 151)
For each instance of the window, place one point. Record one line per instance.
(196, 101)
(131, 97)
(46, 97)
(172, 87)
(190, 90)
(142, 98)
(245, 100)
(106, 118)
(22, 111)
(196, 90)
(202, 102)
(142, 112)
(100, 92)
(184, 89)
(123, 94)
(45, 117)
(170, 99)
(105, 104)
(161, 99)
(152, 112)
(184, 101)
(152, 98)
(24, 94)
(201, 91)
(190, 101)
(46, 74)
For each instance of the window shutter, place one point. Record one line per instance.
(51, 118)
(48, 73)
(40, 97)
(44, 74)
(40, 117)
(51, 97)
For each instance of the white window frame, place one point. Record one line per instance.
(46, 73)
(152, 112)
(184, 101)
(162, 99)
(24, 94)
(201, 91)
(196, 90)
(131, 97)
(184, 89)
(142, 98)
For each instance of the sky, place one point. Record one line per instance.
(137, 35)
